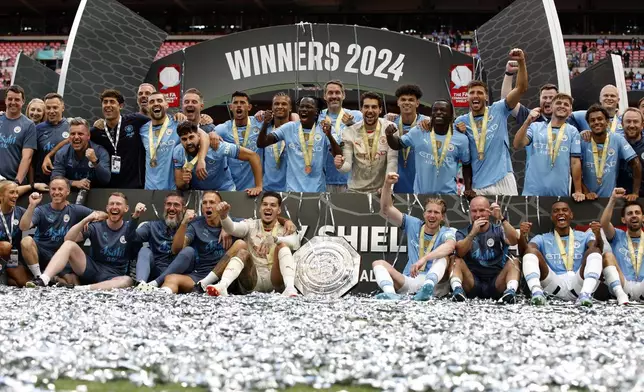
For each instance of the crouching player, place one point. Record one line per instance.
(428, 243)
(565, 263)
(270, 265)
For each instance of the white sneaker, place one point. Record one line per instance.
(165, 290)
(290, 292)
(142, 286)
(622, 299)
(216, 290)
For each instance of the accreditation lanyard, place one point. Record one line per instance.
(613, 125)
(114, 142)
(246, 135)
(406, 150)
(6, 227)
(636, 259)
(554, 145)
(600, 164)
(480, 139)
(568, 258)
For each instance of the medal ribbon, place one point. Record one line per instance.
(154, 146)
(400, 127)
(375, 141)
(636, 260)
(307, 147)
(277, 152)
(236, 134)
(422, 249)
(553, 151)
(599, 165)
(189, 165)
(6, 227)
(438, 162)
(479, 140)
(568, 258)
(114, 142)
(338, 122)
(613, 125)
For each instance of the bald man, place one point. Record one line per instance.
(609, 99)
(483, 266)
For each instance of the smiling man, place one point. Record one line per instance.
(609, 100)
(438, 152)
(49, 133)
(602, 156)
(633, 122)
(365, 153)
(17, 137)
(81, 161)
(142, 95)
(106, 266)
(275, 162)
(52, 222)
(308, 143)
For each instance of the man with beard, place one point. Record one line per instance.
(191, 107)
(52, 222)
(602, 155)
(555, 151)
(83, 162)
(633, 122)
(142, 95)
(482, 251)
(18, 136)
(219, 176)
(157, 261)
(609, 100)
(429, 243)
(275, 163)
(241, 131)
(308, 146)
(487, 131)
(408, 99)
(438, 151)
(338, 118)
(49, 133)
(546, 93)
(365, 153)
(159, 138)
(202, 234)
(106, 266)
(640, 105)
(271, 265)
(623, 276)
(555, 262)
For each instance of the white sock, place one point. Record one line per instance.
(384, 280)
(84, 287)
(287, 267)
(531, 272)
(35, 269)
(232, 271)
(166, 289)
(209, 279)
(455, 283)
(45, 279)
(436, 272)
(611, 276)
(512, 284)
(153, 284)
(591, 273)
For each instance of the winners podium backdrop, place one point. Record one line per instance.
(355, 218)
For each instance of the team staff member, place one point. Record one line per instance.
(609, 100)
(308, 143)
(17, 136)
(633, 122)
(49, 133)
(10, 233)
(338, 118)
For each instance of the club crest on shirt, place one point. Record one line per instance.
(168, 132)
(611, 152)
(66, 218)
(122, 240)
(15, 222)
(17, 130)
(90, 164)
(383, 140)
(490, 242)
(642, 156)
(451, 147)
(65, 135)
(577, 244)
(564, 138)
(129, 131)
(317, 137)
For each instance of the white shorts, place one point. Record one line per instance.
(565, 286)
(635, 290)
(506, 186)
(412, 285)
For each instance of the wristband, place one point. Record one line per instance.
(509, 74)
(503, 220)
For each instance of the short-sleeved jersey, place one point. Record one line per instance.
(489, 250)
(109, 247)
(412, 226)
(204, 239)
(67, 164)
(159, 238)
(625, 175)
(274, 171)
(619, 245)
(578, 120)
(547, 245)
(333, 176)
(240, 170)
(13, 224)
(406, 160)
(160, 177)
(48, 135)
(219, 176)
(618, 151)
(15, 135)
(52, 225)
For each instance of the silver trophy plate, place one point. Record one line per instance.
(327, 266)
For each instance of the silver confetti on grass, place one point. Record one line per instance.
(264, 341)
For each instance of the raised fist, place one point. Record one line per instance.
(222, 209)
(390, 130)
(338, 161)
(188, 216)
(618, 193)
(391, 178)
(517, 54)
(534, 114)
(268, 116)
(347, 119)
(91, 155)
(138, 210)
(35, 199)
(512, 67)
(461, 127)
(524, 228)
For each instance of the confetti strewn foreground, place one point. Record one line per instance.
(266, 341)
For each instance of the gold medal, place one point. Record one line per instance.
(308, 169)
(613, 125)
(371, 153)
(407, 149)
(307, 148)
(152, 145)
(553, 148)
(191, 164)
(479, 139)
(246, 135)
(636, 259)
(422, 249)
(600, 164)
(153, 163)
